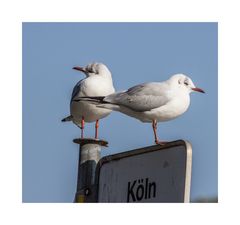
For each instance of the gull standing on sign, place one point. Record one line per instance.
(151, 102)
(98, 82)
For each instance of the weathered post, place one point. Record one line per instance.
(89, 155)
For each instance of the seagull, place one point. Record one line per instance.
(98, 82)
(151, 102)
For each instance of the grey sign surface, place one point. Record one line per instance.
(152, 174)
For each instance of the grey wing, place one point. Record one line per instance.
(143, 97)
(76, 90)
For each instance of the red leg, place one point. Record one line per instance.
(96, 129)
(154, 126)
(82, 126)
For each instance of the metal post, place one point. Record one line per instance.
(89, 155)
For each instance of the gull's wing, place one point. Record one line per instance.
(76, 90)
(143, 97)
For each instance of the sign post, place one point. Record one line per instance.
(89, 155)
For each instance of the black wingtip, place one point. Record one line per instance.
(69, 118)
(99, 99)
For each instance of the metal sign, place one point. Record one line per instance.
(152, 174)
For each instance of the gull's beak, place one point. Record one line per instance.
(198, 90)
(79, 69)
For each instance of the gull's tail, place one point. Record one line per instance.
(97, 99)
(69, 118)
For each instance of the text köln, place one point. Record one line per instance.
(141, 189)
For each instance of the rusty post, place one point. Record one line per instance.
(89, 155)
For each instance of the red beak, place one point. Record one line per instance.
(79, 69)
(198, 89)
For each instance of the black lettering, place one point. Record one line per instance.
(130, 191)
(152, 186)
(141, 189)
(146, 188)
(140, 193)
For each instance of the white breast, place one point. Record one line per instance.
(174, 108)
(92, 86)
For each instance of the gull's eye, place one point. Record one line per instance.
(90, 70)
(186, 82)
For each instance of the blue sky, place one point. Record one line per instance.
(135, 53)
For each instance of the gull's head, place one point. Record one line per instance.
(184, 83)
(92, 69)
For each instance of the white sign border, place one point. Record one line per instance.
(188, 170)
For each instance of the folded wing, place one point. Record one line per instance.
(140, 98)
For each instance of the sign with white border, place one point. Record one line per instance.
(159, 173)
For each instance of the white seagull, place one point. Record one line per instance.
(98, 82)
(151, 102)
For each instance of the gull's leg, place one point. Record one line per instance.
(82, 126)
(96, 129)
(154, 126)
